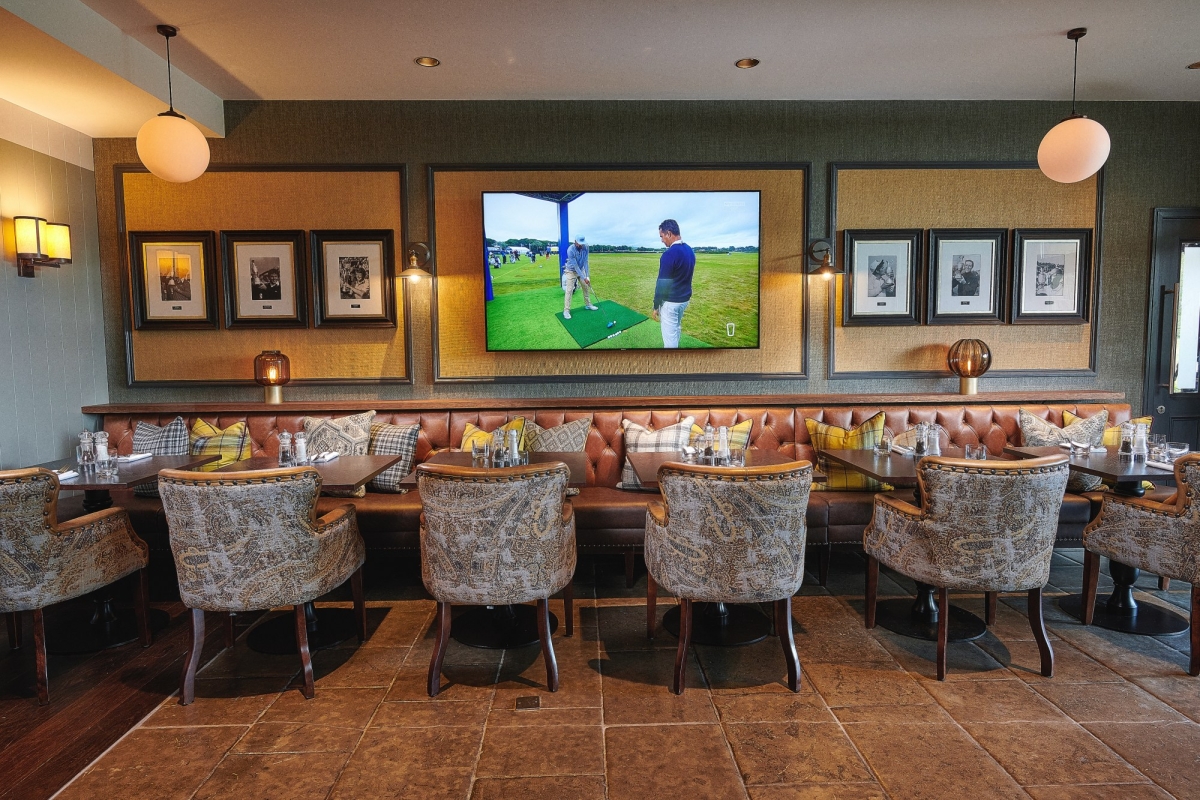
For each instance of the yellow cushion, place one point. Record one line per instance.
(1112, 436)
(739, 435)
(498, 437)
(830, 437)
(231, 444)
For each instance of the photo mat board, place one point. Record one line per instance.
(266, 282)
(1052, 281)
(173, 279)
(968, 271)
(353, 273)
(883, 270)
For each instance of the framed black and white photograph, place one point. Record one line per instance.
(265, 286)
(172, 277)
(353, 274)
(967, 276)
(1052, 275)
(882, 286)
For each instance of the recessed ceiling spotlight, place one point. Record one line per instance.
(427, 61)
(1194, 66)
(746, 63)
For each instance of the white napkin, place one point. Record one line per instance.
(904, 451)
(321, 458)
(1161, 465)
(134, 457)
(62, 476)
(1095, 449)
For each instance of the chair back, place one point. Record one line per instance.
(241, 540)
(732, 535)
(28, 500)
(495, 536)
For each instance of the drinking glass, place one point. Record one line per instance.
(1158, 446)
(737, 457)
(481, 454)
(981, 452)
(884, 445)
(106, 467)
(970, 451)
(522, 458)
(1177, 450)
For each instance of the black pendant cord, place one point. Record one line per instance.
(1074, 71)
(171, 91)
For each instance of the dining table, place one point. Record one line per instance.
(1120, 611)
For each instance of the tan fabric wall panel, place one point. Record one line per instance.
(461, 331)
(265, 201)
(959, 198)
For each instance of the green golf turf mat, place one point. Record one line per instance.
(588, 327)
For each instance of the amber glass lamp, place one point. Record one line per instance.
(272, 371)
(969, 359)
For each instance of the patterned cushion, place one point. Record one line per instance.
(231, 444)
(671, 439)
(1112, 436)
(739, 435)
(830, 437)
(393, 440)
(499, 437)
(349, 436)
(169, 440)
(1037, 432)
(570, 437)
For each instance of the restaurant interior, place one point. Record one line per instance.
(482, 401)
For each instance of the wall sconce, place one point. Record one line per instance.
(41, 244)
(272, 370)
(820, 254)
(969, 359)
(418, 257)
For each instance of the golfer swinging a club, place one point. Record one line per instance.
(673, 290)
(575, 272)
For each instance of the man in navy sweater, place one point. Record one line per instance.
(674, 287)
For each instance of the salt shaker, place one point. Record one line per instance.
(100, 442)
(285, 449)
(933, 443)
(722, 444)
(300, 443)
(514, 455)
(1140, 446)
(87, 451)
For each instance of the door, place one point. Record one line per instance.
(1172, 391)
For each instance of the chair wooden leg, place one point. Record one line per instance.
(310, 688)
(39, 652)
(872, 589)
(13, 618)
(227, 626)
(141, 607)
(783, 628)
(568, 595)
(1091, 577)
(1163, 583)
(543, 618)
(943, 630)
(1039, 632)
(989, 608)
(651, 604)
(685, 639)
(187, 683)
(823, 554)
(1194, 665)
(360, 605)
(439, 649)
(629, 567)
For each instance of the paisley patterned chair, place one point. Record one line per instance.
(496, 537)
(725, 535)
(982, 527)
(249, 541)
(1163, 538)
(44, 562)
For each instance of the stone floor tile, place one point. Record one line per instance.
(1164, 752)
(1181, 693)
(623, 627)
(818, 791)
(240, 661)
(993, 701)
(902, 715)
(738, 670)
(1052, 753)
(965, 661)
(401, 626)
(429, 763)
(1108, 702)
(1012, 620)
(542, 750)
(416, 714)
(509, 717)
(686, 761)
(1111, 791)
(361, 667)
(523, 673)
(296, 776)
(827, 629)
(298, 737)
(806, 706)
(637, 690)
(794, 752)
(1127, 654)
(555, 787)
(1071, 665)
(866, 685)
(475, 682)
(348, 708)
(223, 701)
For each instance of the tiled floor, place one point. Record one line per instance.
(1118, 720)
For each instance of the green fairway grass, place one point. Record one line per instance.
(608, 320)
(527, 296)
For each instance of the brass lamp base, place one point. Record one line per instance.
(274, 395)
(965, 386)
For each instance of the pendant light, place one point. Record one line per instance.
(171, 147)
(1077, 147)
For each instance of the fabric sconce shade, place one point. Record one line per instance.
(31, 237)
(40, 243)
(172, 148)
(1073, 150)
(58, 242)
(272, 370)
(969, 359)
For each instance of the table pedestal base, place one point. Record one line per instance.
(1144, 620)
(499, 627)
(96, 500)
(919, 619)
(108, 627)
(326, 628)
(722, 624)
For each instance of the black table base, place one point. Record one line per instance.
(326, 628)
(722, 624)
(499, 627)
(96, 500)
(918, 619)
(108, 627)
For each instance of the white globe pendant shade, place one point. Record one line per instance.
(173, 148)
(1073, 150)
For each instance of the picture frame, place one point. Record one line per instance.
(1052, 269)
(266, 279)
(968, 276)
(883, 270)
(353, 273)
(173, 279)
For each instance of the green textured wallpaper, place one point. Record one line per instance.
(1155, 152)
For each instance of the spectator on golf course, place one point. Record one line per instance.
(673, 290)
(575, 272)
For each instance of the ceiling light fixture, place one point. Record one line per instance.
(171, 147)
(1194, 66)
(1077, 147)
(746, 63)
(427, 61)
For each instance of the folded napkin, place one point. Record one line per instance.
(1161, 465)
(68, 474)
(1095, 449)
(904, 451)
(321, 458)
(134, 457)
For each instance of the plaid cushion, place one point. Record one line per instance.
(1037, 432)
(830, 437)
(393, 440)
(739, 435)
(570, 437)
(671, 439)
(231, 444)
(169, 440)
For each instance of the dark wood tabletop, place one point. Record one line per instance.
(343, 474)
(576, 462)
(1108, 466)
(131, 473)
(894, 468)
(646, 464)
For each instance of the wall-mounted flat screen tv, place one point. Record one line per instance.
(621, 270)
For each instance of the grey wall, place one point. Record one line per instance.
(1154, 156)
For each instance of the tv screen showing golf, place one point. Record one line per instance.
(620, 270)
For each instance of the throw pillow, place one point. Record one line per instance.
(1037, 432)
(169, 440)
(671, 439)
(831, 437)
(570, 437)
(393, 440)
(348, 436)
(499, 437)
(739, 435)
(231, 444)
(1112, 436)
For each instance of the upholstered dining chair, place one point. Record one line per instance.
(251, 541)
(496, 537)
(983, 526)
(43, 561)
(1162, 538)
(728, 535)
